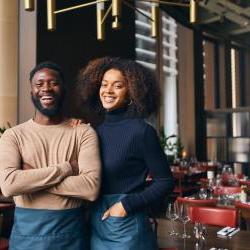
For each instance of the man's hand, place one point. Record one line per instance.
(117, 210)
(26, 166)
(75, 167)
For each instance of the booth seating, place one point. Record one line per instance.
(214, 216)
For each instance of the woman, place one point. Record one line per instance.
(123, 92)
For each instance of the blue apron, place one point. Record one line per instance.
(40, 229)
(132, 232)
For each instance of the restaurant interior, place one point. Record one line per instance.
(199, 51)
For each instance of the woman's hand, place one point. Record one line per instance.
(117, 210)
(75, 122)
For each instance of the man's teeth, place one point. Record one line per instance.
(47, 98)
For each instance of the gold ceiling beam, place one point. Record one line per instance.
(137, 10)
(29, 5)
(100, 9)
(116, 7)
(193, 11)
(79, 6)
(51, 16)
(155, 19)
(116, 13)
(165, 2)
(107, 12)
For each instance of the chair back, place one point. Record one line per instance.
(197, 202)
(183, 183)
(243, 209)
(227, 190)
(214, 216)
(244, 214)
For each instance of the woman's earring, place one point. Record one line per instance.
(131, 101)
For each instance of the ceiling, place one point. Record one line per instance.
(229, 18)
(224, 18)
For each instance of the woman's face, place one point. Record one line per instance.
(113, 92)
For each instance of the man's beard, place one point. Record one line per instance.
(50, 112)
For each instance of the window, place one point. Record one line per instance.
(145, 45)
(159, 54)
(225, 102)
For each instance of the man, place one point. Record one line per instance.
(50, 168)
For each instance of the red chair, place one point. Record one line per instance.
(226, 190)
(245, 182)
(214, 216)
(4, 244)
(204, 182)
(244, 209)
(244, 214)
(182, 186)
(171, 248)
(197, 202)
(239, 176)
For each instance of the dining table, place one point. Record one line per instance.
(239, 241)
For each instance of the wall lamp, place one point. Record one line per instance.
(115, 6)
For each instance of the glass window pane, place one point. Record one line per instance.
(241, 124)
(217, 149)
(216, 125)
(238, 149)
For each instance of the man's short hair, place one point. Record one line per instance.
(48, 65)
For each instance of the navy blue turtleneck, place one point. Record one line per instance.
(130, 150)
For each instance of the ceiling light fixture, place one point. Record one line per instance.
(116, 8)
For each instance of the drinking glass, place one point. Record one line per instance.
(200, 233)
(202, 194)
(210, 188)
(172, 214)
(184, 218)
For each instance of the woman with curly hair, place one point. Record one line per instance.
(122, 92)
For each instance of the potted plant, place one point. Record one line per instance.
(2, 129)
(171, 145)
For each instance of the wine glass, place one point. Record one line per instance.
(172, 214)
(210, 188)
(184, 218)
(202, 194)
(200, 233)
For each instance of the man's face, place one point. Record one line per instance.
(46, 92)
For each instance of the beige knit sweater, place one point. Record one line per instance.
(48, 149)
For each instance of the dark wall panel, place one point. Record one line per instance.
(74, 41)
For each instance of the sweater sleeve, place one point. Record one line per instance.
(156, 162)
(15, 181)
(86, 185)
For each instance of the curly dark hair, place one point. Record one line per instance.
(143, 88)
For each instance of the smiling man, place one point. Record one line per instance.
(50, 168)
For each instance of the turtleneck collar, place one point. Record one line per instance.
(116, 115)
